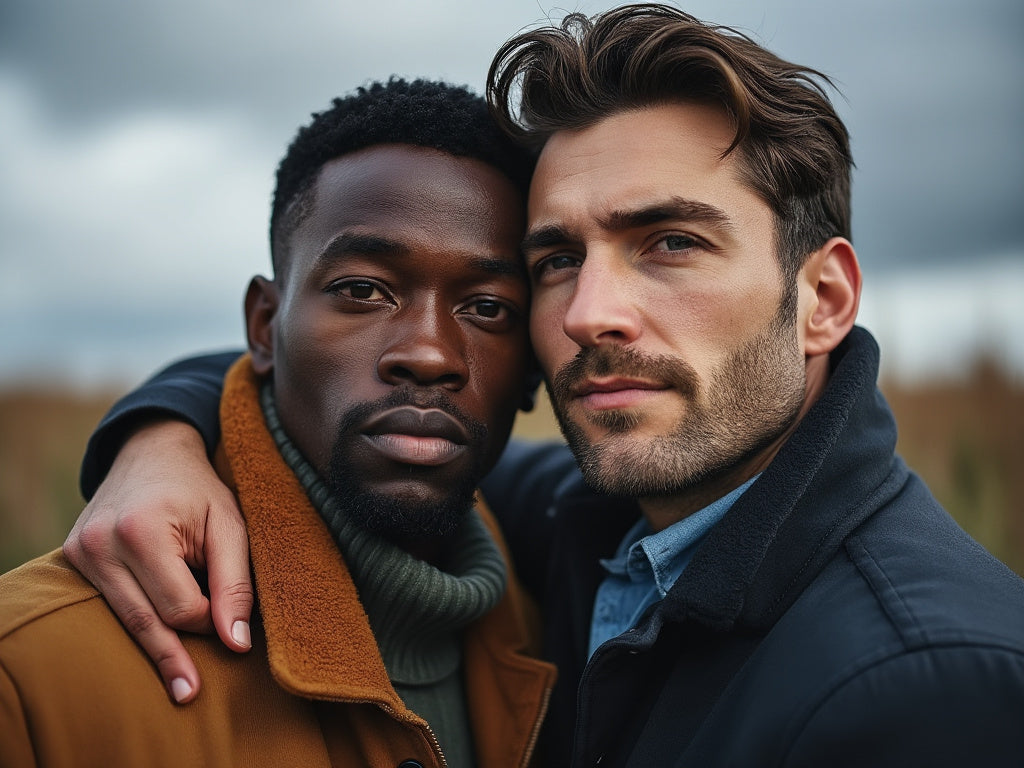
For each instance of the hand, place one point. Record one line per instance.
(161, 510)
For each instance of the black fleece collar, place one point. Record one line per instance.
(835, 470)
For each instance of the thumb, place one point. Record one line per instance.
(227, 563)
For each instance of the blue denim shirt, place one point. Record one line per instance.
(647, 564)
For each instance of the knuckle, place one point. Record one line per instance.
(139, 622)
(187, 613)
(166, 660)
(92, 541)
(238, 591)
(132, 531)
(72, 549)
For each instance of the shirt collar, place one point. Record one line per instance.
(663, 555)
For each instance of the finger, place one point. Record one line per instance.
(160, 642)
(227, 563)
(175, 594)
(157, 567)
(128, 556)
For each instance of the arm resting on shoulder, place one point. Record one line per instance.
(188, 390)
(157, 510)
(522, 490)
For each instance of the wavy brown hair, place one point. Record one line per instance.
(794, 150)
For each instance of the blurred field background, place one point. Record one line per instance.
(965, 439)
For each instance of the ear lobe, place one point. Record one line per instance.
(833, 276)
(261, 302)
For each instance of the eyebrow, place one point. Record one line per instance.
(350, 243)
(674, 209)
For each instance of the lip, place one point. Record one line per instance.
(615, 393)
(421, 436)
(616, 384)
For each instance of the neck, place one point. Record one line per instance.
(663, 511)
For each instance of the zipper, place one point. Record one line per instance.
(397, 718)
(531, 744)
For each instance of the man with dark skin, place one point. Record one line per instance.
(386, 360)
(749, 575)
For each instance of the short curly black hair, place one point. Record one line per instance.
(423, 113)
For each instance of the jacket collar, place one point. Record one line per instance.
(319, 640)
(833, 472)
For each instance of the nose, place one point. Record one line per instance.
(601, 309)
(425, 349)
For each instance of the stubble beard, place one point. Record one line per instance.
(752, 399)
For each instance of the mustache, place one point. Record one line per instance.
(359, 414)
(614, 360)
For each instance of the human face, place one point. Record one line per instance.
(398, 340)
(659, 313)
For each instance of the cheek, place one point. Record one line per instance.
(550, 344)
(495, 394)
(315, 377)
(501, 370)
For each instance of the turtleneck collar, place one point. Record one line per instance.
(416, 610)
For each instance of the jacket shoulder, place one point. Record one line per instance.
(38, 589)
(946, 704)
(933, 581)
(928, 656)
(907, 648)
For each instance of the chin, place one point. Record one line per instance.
(406, 510)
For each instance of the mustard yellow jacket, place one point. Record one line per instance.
(75, 690)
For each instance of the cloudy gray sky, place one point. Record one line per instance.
(138, 142)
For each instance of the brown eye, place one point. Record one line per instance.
(491, 314)
(362, 290)
(488, 308)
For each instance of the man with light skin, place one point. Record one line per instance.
(748, 574)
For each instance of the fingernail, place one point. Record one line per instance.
(240, 633)
(180, 689)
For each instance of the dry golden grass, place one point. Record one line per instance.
(966, 441)
(42, 438)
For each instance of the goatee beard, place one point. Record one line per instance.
(403, 518)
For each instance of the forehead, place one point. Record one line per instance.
(636, 158)
(417, 196)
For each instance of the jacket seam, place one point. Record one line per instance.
(39, 614)
(868, 501)
(891, 601)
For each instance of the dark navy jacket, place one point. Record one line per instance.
(836, 616)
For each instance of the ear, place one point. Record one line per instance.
(830, 286)
(261, 302)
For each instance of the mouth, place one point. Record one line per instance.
(420, 436)
(608, 393)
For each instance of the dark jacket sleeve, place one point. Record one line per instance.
(188, 390)
(523, 490)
